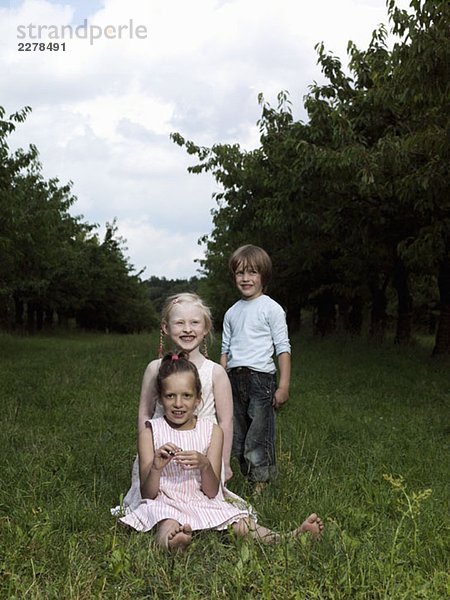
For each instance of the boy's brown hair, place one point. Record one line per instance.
(252, 257)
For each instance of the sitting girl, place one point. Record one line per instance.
(180, 459)
(187, 321)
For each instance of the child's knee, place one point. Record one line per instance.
(243, 526)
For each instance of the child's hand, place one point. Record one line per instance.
(190, 459)
(280, 397)
(164, 455)
(228, 472)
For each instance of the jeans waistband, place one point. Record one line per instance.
(248, 370)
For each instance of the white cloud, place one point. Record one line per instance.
(166, 253)
(105, 112)
(102, 112)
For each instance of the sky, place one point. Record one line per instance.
(133, 72)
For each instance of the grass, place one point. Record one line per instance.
(363, 441)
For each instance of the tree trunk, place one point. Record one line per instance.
(355, 316)
(404, 311)
(39, 316)
(344, 306)
(63, 320)
(378, 315)
(442, 341)
(294, 317)
(49, 315)
(19, 309)
(326, 314)
(5, 312)
(31, 316)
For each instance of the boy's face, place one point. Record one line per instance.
(248, 282)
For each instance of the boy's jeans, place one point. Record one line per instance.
(254, 422)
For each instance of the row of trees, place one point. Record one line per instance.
(354, 205)
(158, 289)
(53, 266)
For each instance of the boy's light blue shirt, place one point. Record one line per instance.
(252, 331)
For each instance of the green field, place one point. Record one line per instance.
(363, 441)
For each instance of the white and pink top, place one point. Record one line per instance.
(180, 496)
(206, 410)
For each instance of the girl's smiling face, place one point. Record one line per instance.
(186, 326)
(179, 399)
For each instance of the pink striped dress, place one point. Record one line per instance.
(180, 496)
(206, 410)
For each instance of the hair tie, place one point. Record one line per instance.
(175, 357)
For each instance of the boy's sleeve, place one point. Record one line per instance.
(279, 330)
(226, 334)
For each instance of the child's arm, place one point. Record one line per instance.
(280, 338)
(223, 361)
(223, 400)
(152, 462)
(147, 401)
(146, 453)
(282, 392)
(225, 344)
(210, 465)
(211, 475)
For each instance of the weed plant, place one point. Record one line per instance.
(363, 441)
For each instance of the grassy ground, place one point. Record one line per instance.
(363, 441)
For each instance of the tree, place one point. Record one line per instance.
(421, 81)
(52, 263)
(113, 298)
(355, 200)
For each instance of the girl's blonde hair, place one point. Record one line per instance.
(186, 298)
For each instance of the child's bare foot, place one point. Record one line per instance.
(313, 525)
(180, 538)
(259, 488)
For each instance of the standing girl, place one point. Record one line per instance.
(180, 458)
(187, 321)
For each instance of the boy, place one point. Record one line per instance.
(253, 328)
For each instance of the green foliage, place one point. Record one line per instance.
(356, 413)
(113, 298)
(160, 288)
(52, 262)
(357, 198)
